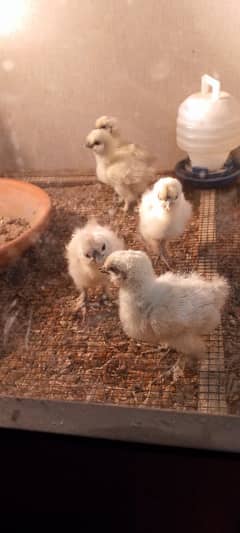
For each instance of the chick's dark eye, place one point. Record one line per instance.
(88, 255)
(97, 143)
(114, 270)
(103, 247)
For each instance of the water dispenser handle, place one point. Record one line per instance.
(209, 82)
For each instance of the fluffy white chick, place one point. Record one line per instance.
(86, 253)
(125, 172)
(163, 215)
(172, 309)
(111, 125)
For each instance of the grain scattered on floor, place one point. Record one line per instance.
(46, 351)
(228, 250)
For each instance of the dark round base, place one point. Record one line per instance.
(203, 179)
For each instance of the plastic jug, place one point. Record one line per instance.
(208, 125)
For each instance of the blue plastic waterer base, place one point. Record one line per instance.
(203, 179)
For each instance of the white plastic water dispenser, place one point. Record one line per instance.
(208, 125)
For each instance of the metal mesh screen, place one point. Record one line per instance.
(212, 370)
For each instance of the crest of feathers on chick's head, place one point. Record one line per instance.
(168, 190)
(107, 123)
(128, 267)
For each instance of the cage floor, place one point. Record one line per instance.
(228, 260)
(46, 350)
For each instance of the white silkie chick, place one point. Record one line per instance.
(172, 309)
(111, 125)
(86, 253)
(125, 172)
(163, 215)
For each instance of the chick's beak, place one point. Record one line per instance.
(168, 205)
(103, 269)
(99, 259)
(88, 144)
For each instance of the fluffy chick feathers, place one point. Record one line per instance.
(86, 253)
(111, 125)
(172, 309)
(163, 213)
(124, 171)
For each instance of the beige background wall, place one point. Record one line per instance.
(137, 59)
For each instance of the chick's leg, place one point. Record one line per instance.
(163, 253)
(153, 247)
(178, 368)
(159, 249)
(80, 304)
(106, 295)
(128, 205)
(119, 201)
(127, 196)
(192, 347)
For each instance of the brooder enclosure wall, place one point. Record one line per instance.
(46, 350)
(72, 61)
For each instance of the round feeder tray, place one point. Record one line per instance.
(203, 179)
(24, 200)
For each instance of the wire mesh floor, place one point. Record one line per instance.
(47, 351)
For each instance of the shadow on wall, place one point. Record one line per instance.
(11, 160)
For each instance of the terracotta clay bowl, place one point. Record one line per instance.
(21, 199)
